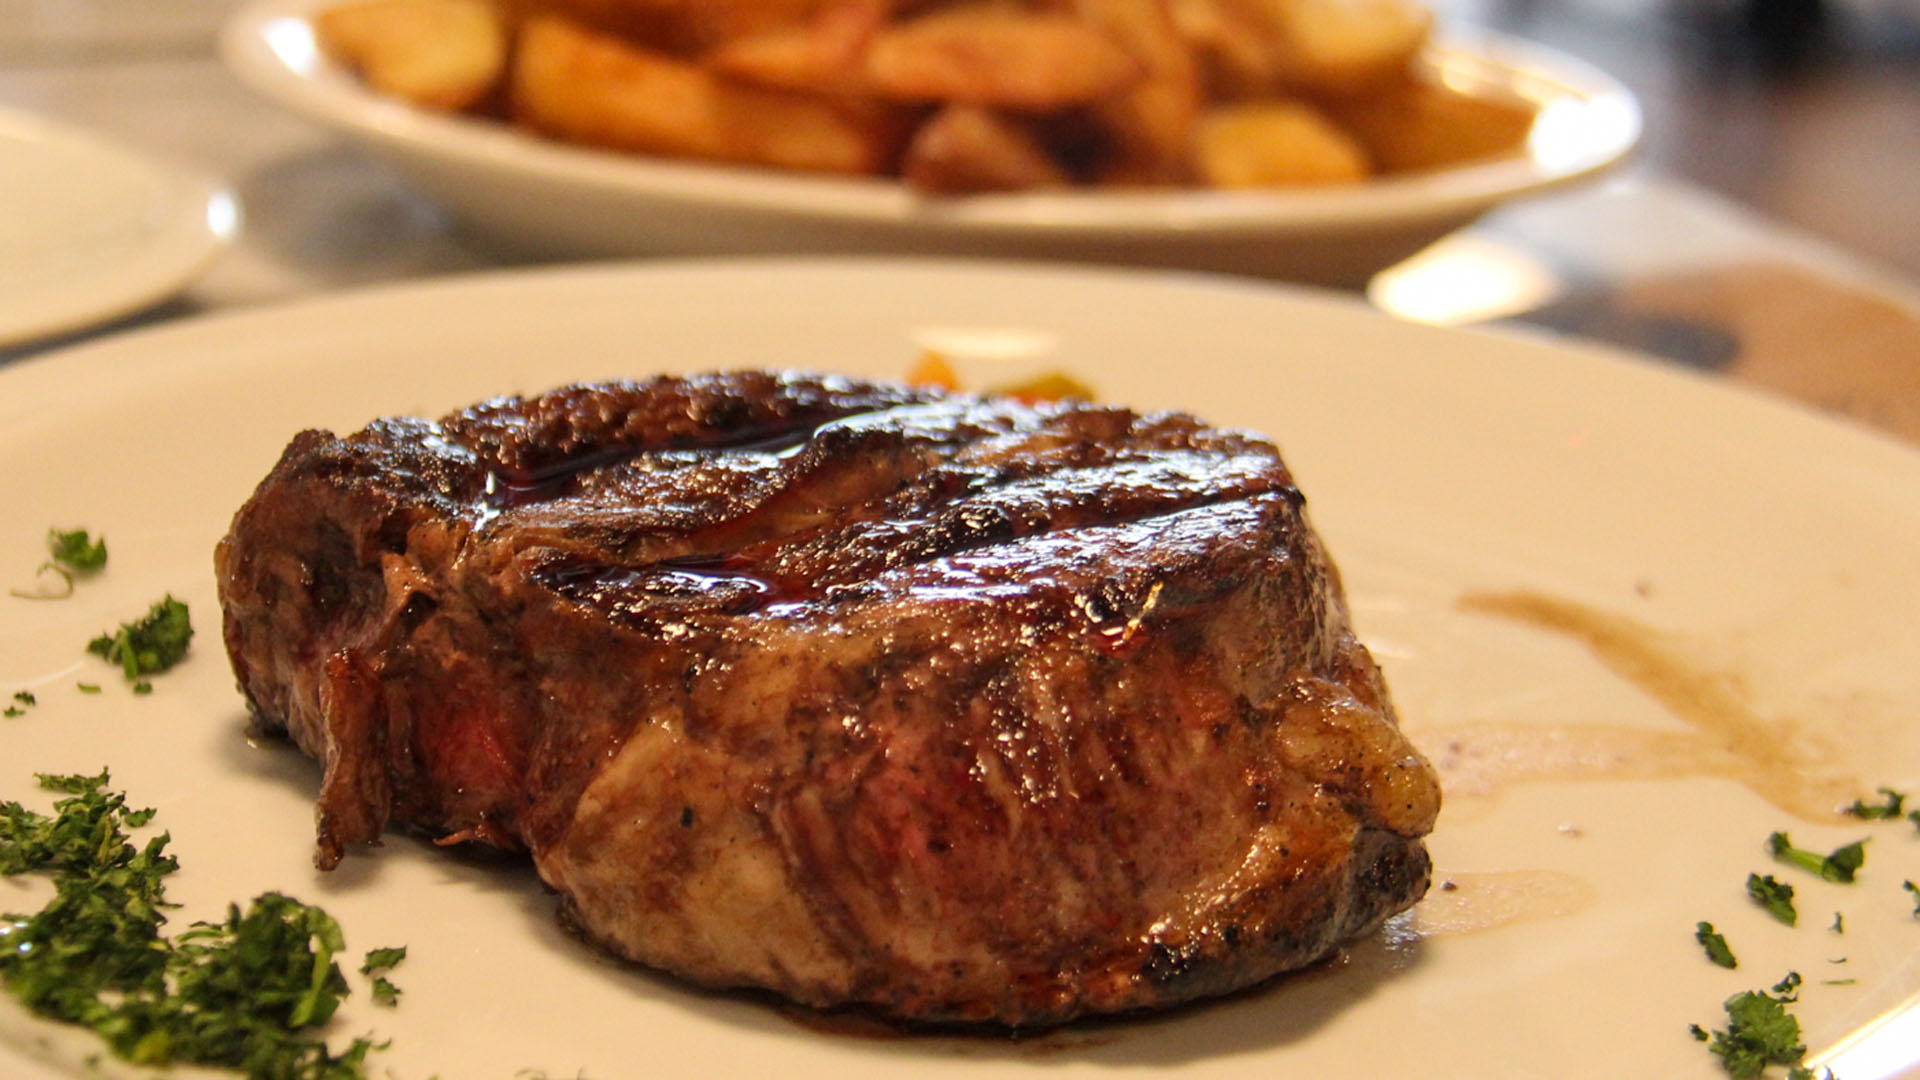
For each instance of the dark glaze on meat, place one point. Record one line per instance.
(955, 708)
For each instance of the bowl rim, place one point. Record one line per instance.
(269, 45)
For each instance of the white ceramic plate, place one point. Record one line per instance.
(570, 200)
(93, 230)
(1756, 559)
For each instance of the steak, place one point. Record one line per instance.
(954, 708)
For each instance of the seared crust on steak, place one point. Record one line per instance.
(956, 708)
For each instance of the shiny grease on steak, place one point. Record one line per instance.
(956, 708)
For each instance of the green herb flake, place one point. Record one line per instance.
(24, 697)
(379, 960)
(1915, 890)
(1715, 945)
(1890, 805)
(150, 644)
(72, 553)
(74, 550)
(245, 993)
(87, 687)
(12, 711)
(1839, 923)
(384, 992)
(143, 687)
(1759, 1032)
(1774, 895)
(383, 959)
(1838, 866)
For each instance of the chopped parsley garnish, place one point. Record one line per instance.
(1889, 806)
(74, 550)
(1776, 896)
(1839, 924)
(1759, 1032)
(87, 687)
(72, 553)
(24, 697)
(1915, 890)
(246, 993)
(380, 960)
(1838, 866)
(1715, 944)
(150, 644)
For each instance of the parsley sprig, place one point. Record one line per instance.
(1715, 944)
(71, 553)
(1890, 805)
(1774, 895)
(150, 644)
(247, 993)
(1759, 1032)
(1839, 866)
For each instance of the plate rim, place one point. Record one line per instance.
(201, 221)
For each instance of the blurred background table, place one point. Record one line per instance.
(1766, 230)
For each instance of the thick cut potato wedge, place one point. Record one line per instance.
(965, 148)
(587, 87)
(821, 56)
(1336, 46)
(443, 54)
(1409, 124)
(1317, 47)
(997, 57)
(1152, 122)
(949, 96)
(1273, 144)
(682, 27)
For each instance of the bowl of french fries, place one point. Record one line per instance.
(1309, 140)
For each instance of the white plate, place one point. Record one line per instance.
(575, 201)
(1767, 554)
(92, 230)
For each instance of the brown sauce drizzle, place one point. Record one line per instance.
(1776, 758)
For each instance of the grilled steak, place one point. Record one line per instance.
(955, 708)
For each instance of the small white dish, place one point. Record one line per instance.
(561, 199)
(93, 230)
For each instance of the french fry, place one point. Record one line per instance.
(1256, 48)
(682, 27)
(587, 87)
(1341, 46)
(1409, 124)
(1232, 45)
(965, 149)
(950, 96)
(1273, 144)
(822, 56)
(998, 57)
(1152, 122)
(443, 54)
